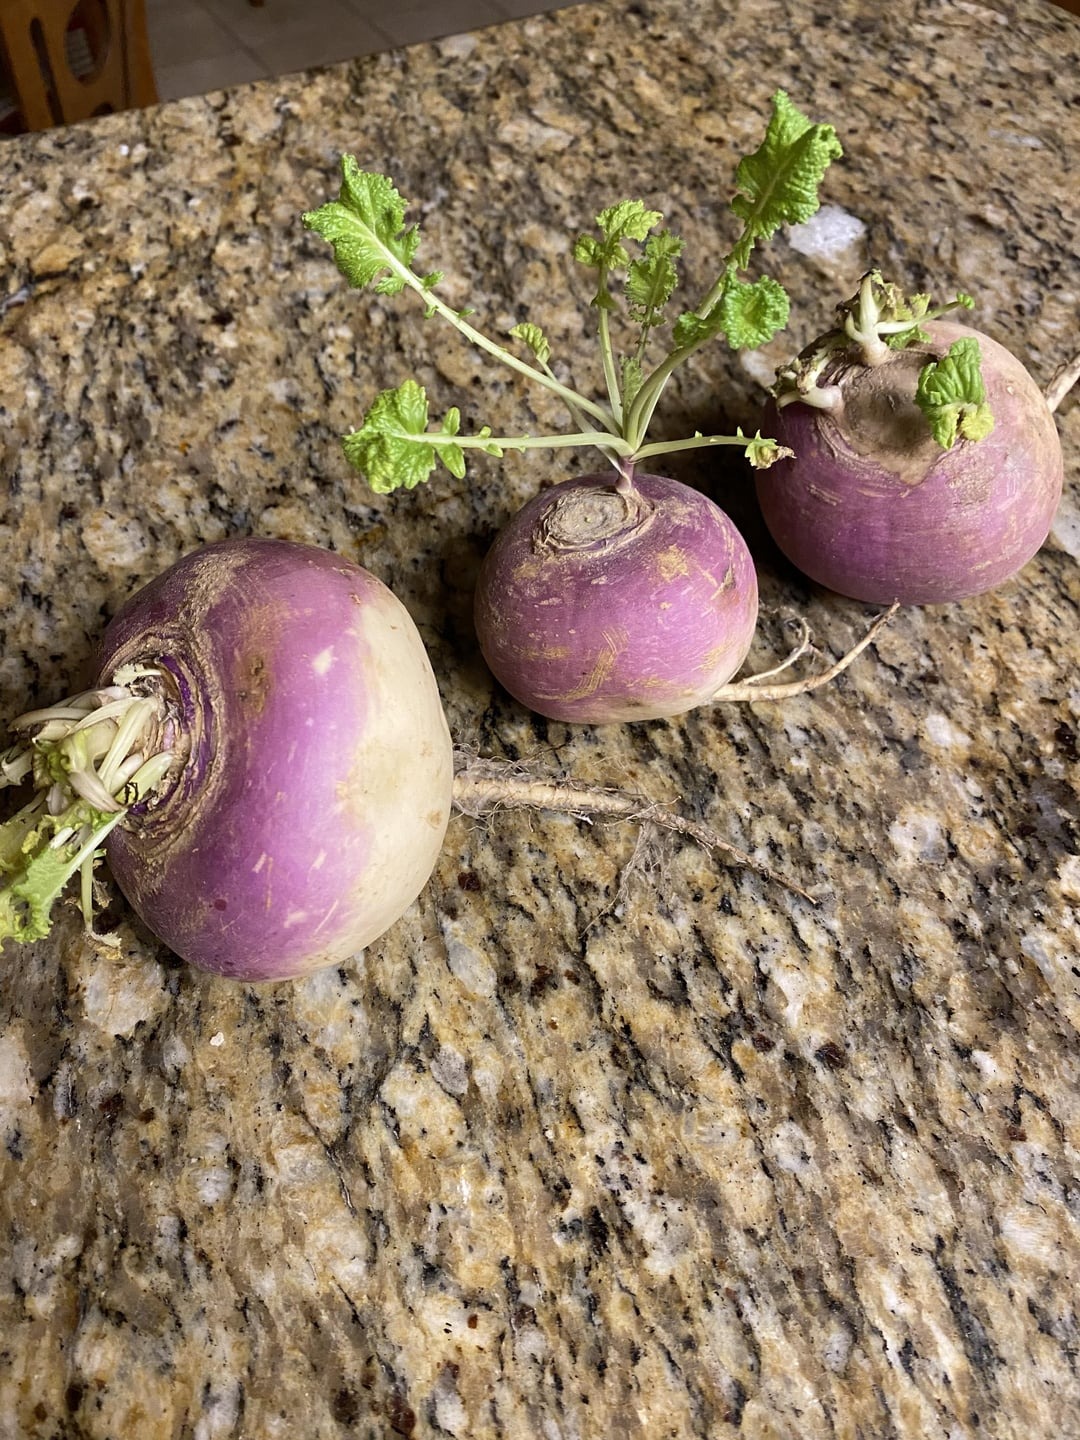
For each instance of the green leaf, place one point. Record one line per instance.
(751, 314)
(493, 449)
(365, 226)
(395, 448)
(452, 456)
(18, 836)
(383, 450)
(586, 251)
(778, 184)
(691, 329)
(38, 870)
(628, 220)
(747, 314)
(25, 905)
(762, 452)
(534, 339)
(651, 280)
(952, 396)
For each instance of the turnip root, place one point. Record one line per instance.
(598, 603)
(266, 765)
(306, 764)
(913, 477)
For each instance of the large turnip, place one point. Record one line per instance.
(306, 765)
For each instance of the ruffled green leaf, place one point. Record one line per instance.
(365, 226)
(628, 220)
(652, 278)
(778, 184)
(534, 339)
(384, 449)
(750, 314)
(632, 377)
(394, 449)
(691, 329)
(26, 904)
(952, 396)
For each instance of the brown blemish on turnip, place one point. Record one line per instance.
(672, 562)
(603, 665)
(252, 678)
(881, 418)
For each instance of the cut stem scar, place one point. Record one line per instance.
(752, 688)
(482, 787)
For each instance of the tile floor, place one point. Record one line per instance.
(201, 45)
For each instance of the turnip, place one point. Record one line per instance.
(582, 556)
(266, 765)
(925, 463)
(269, 712)
(634, 596)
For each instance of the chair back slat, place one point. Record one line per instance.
(63, 72)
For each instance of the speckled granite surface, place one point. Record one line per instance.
(711, 1163)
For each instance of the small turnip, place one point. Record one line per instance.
(598, 603)
(628, 597)
(925, 463)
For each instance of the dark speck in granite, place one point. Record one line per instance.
(553, 1160)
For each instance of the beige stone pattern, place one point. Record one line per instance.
(554, 1160)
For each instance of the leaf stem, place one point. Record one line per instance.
(653, 386)
(498, 352)
(607, 352)
(614, 445)
(695, 442)
(639, 416)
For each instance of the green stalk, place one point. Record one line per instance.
(640, 414)
(613, 444)
(648, 397)
(607, 355)
(695, 442)
(479, 339)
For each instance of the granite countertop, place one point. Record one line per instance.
(556, 1159)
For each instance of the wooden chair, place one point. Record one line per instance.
(70, 59)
